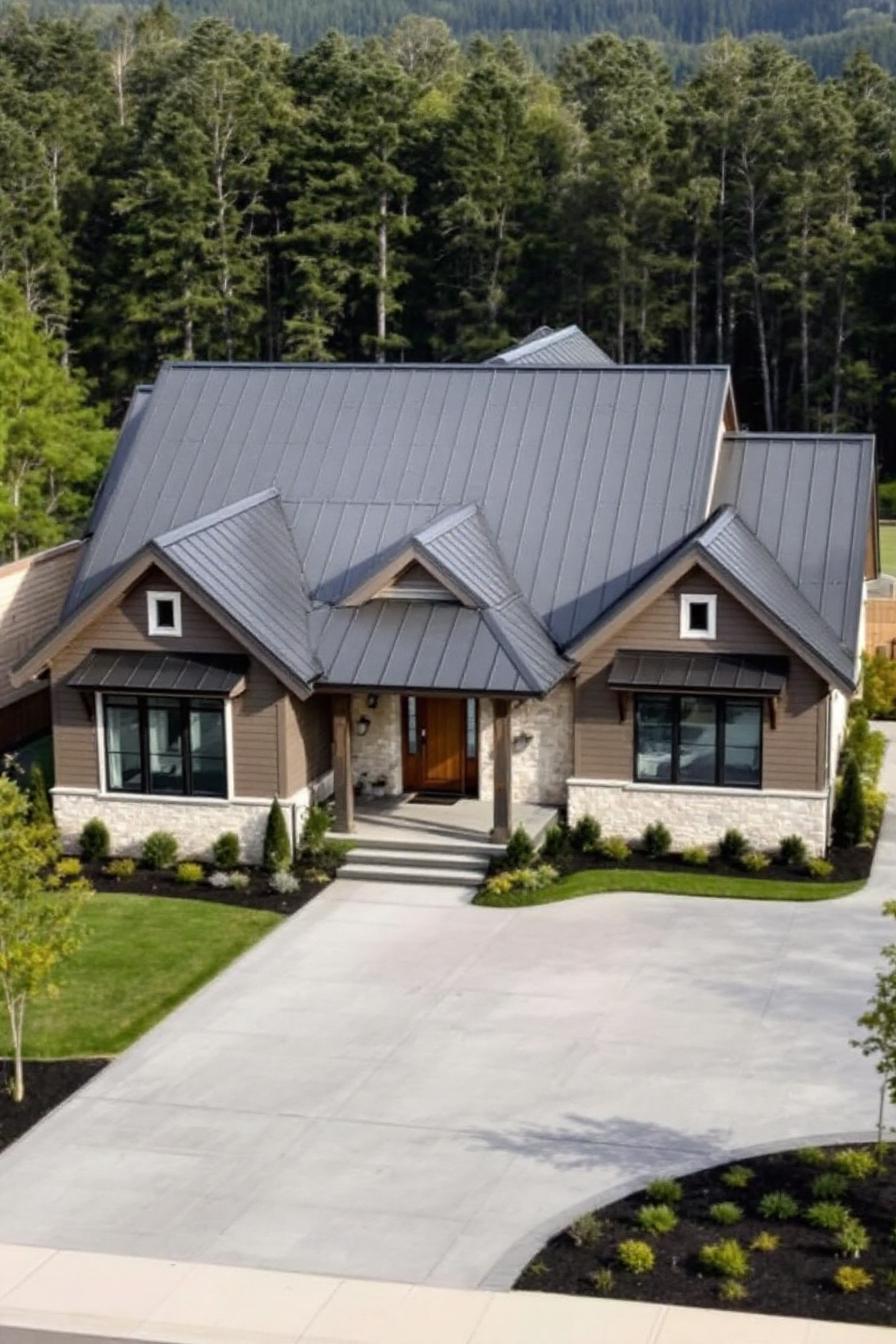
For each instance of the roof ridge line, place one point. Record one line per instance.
(207, 520)
(445, 522)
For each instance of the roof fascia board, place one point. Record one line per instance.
(370, 588)
(727, 411)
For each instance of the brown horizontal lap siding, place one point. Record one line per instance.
(793, 752)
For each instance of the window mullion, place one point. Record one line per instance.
(720, 739)
(676, 736)
(186, 746)
(143, 719)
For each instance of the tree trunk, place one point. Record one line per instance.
(382, 277)
(693, 306)
(839, 343)
(804, 322)
(720, 257)
(758, 306)
(16, 1011)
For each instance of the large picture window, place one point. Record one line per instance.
(698, 739)
(162, 745)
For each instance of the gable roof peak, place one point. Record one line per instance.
(212, 519)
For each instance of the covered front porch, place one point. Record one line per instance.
(461, 823)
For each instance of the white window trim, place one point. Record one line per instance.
(181, 798)
(164, 631)
(684, 628)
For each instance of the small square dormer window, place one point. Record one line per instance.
(698, 616)
(163, 613)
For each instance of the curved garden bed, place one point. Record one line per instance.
(792, 1253)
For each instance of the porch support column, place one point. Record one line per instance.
(343, 786)
(503, 786)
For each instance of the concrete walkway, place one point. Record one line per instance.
(396, 1085)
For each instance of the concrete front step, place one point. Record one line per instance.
(431, 876)
(438, 844)
(415, 858)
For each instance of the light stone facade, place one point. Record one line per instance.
(542, 735)
(700, 816)
(195, 823)
(378, 752)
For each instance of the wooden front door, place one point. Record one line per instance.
(439, 748)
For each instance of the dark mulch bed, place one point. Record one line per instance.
(257, 896)
(47, 1083)
(794, 1280)
(850, 865)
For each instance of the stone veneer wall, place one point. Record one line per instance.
(378, 752)
(195, 823)
(700, 816)
(542, 766)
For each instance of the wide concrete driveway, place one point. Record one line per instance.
(397, 1085)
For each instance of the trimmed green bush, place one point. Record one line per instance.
(664, 1190)
(726, 1213)
(856, 1163)
(732, 1290)
(765, 1242)
(813, 1157)
(159, 850)
(67, 868)
(602, 1281)
(657, 1219)
(852, 1279)
(737, 1177)
(189, 874)
(848, 821)
(827, 1215)
(520, 850)
(792, 850)
(780, 1206)
(727, 1259)
(636, 1256)
(830, 1185)
(226, 850)
(277, 849)
(853, 1238)
(615, 849)
(819, 868)
(39, 797)
(555, 844)
(754, 861)
(120, 868)
(585, 835)
(732, 846)
(697, 856)
(587, 1230)
(657, 840)
(93, 841)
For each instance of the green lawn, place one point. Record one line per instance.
(593, 880)
(888, 549)
(141, 957)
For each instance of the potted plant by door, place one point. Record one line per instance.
(378, 786)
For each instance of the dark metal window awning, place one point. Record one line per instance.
(723, 673)
(161, 673)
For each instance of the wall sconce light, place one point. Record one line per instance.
(521, 741)
(363, 725)
(372, 700)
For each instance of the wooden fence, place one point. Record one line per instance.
(880, 626)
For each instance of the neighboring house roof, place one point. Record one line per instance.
(32, 594)
(552, 349)
(808, 499)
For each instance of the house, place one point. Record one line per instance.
(543, 579)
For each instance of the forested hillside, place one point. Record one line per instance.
(207, 194)
(825, 32)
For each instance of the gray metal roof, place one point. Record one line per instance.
(739, 673)
(243, 558)
(585, 477)
(808, 500)
(552, 349)
(160, 673)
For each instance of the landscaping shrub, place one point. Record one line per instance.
(856, 1163)
(867, 746)
(159, 850)
(657, 1219)
(615, 849)
(520, 850)
(697, 856)
(727, 1259)
(777, 1204)
(602, 1281)
(188, 874)
(819, 868)
(875, 803)
(812, 1157)
(732, 847)
(283, 882)
(587, 1230)
(226, 850)
(585, 835)
(878, 686)
(852, 1279)
(120, 868)
(39, 797)
(664, 1190)
(636, 1256)
(827, 1215)
(239, 881)
(732, 1290)
(657, 840)
(830, 1185)
(726, 1213)
(737, 1177)
(555, 843)
(277, 849)
(852, 1238)
(66, 868)
(754, 861)
(220, 880)
(792, 850)
(93, 841)
(848, 821)
(519, 880)
(765, 1242)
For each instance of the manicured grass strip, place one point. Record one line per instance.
(595, 880)
(888, 549)
(142, 956)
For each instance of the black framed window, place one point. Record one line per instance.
(698, 739)
(163, 745)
